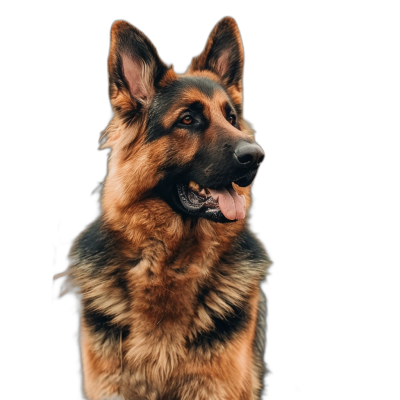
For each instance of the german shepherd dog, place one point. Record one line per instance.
(170, 274)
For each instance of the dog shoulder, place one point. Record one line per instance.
(97, 248)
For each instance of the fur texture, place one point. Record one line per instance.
(170, 284)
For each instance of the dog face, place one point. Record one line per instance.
(181, 138)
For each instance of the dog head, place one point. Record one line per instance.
(180, 138)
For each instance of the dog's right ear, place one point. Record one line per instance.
(134, 70)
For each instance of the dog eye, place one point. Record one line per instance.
(232, 119)
(188, 120)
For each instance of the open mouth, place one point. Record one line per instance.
(212, 201)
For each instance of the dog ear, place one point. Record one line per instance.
(134, 69)
(223, 54)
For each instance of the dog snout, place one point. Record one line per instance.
(249, 155)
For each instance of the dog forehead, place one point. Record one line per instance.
(202, 84)
(187, 90)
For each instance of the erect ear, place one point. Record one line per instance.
(223, 54)
(134, 69)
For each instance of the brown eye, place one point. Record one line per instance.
(232, 119)
(187, 120)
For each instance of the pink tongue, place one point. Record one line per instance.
(231, 204)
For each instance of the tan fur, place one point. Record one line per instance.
(176, 261)
(101, 374)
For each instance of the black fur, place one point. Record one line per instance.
(100, 247)
(102, 325)
(224, 327)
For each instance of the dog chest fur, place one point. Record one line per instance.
(167, 313)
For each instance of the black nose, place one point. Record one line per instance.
(249, 154)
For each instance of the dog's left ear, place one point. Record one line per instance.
(223, 54)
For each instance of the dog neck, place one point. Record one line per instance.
(157, 233)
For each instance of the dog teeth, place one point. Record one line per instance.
(199, 190)
(194, 186)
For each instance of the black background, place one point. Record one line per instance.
(294, 62)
